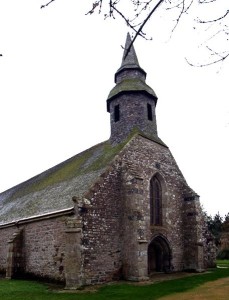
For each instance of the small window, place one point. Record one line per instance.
(149, 111)
(116, 113)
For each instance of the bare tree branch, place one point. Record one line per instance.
(147, 3)
(206, 1)
(126, 20)
(220, 59)
(214, 20)
(94, 5)
(143, 24)
(47, 4)
(140, 12)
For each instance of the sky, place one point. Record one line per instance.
(57, 70)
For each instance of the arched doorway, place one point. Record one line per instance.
(159, 255)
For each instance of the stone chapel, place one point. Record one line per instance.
(119, 210)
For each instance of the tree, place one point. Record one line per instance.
(209, 16)
(225, 225)
(224, 239)
(215, 227)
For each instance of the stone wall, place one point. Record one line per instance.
(141, 160)
(101, 236)
(133, 114)
(116, 219)
(15, 256)
(193, 233)
(43, 248)
(44, 242)
(5, 236)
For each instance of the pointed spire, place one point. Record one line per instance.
(129, 61)
(129, 56)
(130, 76)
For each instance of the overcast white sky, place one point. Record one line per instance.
(57, 69)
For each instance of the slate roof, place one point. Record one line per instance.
(53, 189)
(128, 82)
(130, 85)
(129, 60)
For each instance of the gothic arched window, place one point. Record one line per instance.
(155, 201)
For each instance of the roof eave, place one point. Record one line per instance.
(35, 218)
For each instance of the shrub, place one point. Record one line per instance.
(223, 254)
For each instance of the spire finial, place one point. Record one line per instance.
(129, 55)
(129, 62)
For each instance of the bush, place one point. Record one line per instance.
(223, 254)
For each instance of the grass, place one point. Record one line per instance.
(212, 290)
(27, 290)
(222, 262)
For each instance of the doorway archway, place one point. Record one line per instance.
(159, 255)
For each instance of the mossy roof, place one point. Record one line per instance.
(53, 189)
(131, 85)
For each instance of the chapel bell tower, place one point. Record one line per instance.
(131, 103)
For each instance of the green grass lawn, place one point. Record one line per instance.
(30, 290)
(222, 262)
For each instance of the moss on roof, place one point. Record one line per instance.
(90, 160)
(53, 189)
(131, 84)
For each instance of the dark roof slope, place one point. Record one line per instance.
(53, 189)
(130, 85)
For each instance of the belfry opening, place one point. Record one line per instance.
(159, 256)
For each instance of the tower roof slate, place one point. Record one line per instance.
(130, 82)
(130, 85)
(129, 59)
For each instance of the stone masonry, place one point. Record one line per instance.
(119, 210)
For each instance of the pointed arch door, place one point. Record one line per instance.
(159, 255)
